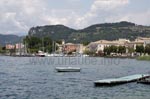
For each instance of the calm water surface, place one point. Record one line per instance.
(36, 78)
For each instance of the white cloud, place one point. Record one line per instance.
(18, 16)
(100, 10)
(141, 18)
(72, 0)
(108, 4)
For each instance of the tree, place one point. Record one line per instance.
(147, 49)
(34, 44)
(113, 49)
(1, 49)
(107, 50)
(88, 52)
(131, 50)
(110, 49)
(47, 44)
(100, 53)
(140, 49)
(121, 49)
(85, 43)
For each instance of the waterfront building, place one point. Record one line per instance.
(70, 47)
(20, 49)
(19, 46)
(101, 44)
(10, 46)
(143, 39)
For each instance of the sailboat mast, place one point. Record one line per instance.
(25, 48)
(20, 49)
(55, 46)
(43, 43)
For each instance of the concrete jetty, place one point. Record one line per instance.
(121, 80)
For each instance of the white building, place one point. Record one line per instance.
(100, 45)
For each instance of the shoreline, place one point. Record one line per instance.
(143, 58)
(130, 57)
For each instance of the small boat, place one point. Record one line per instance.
(144, 81)
(68, 69)
(40, 54)
(121, 80)
(56, 55)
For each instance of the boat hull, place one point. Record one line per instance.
(67, 69)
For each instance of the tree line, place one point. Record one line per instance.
(122, 49)
(35, 44)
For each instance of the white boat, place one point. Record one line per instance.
(81, 55)
(56, 55)
(41, 54)
(47, 54)
(53, 55)
(68, 69)
(84, 55)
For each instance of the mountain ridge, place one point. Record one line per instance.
(107, 31)
(9, 39)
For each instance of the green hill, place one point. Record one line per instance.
(108, 31)
(9, 39)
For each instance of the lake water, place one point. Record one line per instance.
(36, 78)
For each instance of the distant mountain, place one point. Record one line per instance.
(21, 34)
(108, 31)
(53, 31)
(9, 39)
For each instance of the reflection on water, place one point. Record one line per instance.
(36, 78)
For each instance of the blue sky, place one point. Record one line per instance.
(18, 16)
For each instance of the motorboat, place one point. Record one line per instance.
(68, 69)
(40, 54)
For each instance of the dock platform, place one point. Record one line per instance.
(144, 81)
(121, 80)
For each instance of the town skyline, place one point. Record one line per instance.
(99, 47)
